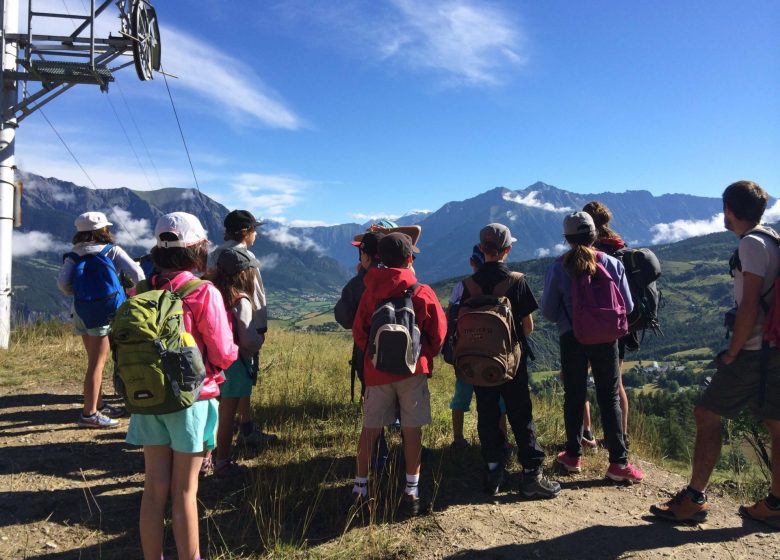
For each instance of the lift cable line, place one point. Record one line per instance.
(129, 141)
(94, 186)
(183, 140)
(37, 68)
(140, 136)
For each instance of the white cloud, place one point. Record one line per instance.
(542, 252)
(224, 80)
(475, 43)
(683, 229)
(25, 244)
(267, 262)
(308, 223)
(773, 214)
(531, 200)
(283, 236)
(56, 192)
(373, 216)
(131, 232)
(560, 248)
(269, 195)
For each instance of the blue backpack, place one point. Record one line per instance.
(97, 290)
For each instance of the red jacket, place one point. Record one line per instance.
(382, 283)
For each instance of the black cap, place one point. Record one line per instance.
(395, 249)
(369, 243)
(240, 219)
(233, 261)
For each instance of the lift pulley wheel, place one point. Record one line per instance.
(146, 46)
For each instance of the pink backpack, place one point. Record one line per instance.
(598, 308)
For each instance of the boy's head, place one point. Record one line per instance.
(240, 225)
(368, 248)
(232, 262)
(396, 249)
(495, 241)
(746, 200)
(477, 258)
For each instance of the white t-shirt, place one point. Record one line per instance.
(758, 255)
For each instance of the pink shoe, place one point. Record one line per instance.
(571, 464)
(629, 472)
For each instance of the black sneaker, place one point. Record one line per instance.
(411, 506)
(493, 480)
(538, 486)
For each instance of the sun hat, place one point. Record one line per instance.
(577, 223)
(497, 235)
(240, 219)
(91, 221)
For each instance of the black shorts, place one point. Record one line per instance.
(737, 386)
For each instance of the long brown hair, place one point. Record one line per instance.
(179, 258)
(101, 235)
(601, 217)
(231, 287)
(581, 258)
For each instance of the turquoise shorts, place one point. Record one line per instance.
(461, 400)
(80, 329)
(237, 381)
(192, 430)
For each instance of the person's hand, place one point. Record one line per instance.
(726, 357)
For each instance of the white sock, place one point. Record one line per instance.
(492, 466)
(361, 486)
(411, 484)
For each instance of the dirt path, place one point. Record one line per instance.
(67, 492)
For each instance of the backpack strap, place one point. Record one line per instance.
(503, 287)
(106, 249)
(188, 287)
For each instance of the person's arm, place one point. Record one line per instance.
(215, 329)
(362, 323)
(261, 312)
(346, 306)
(528, 325)
(625, 291)
(551, 296)
(65, 277)
(434, 324)
(747, 312)
(125, 264)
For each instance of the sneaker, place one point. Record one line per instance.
(97, 420)
(760, 511)
(493, 480)
(459, 444)
(538, 486)
(256, 438)
(571, 464)
(587, 440)
(113, 411)
(682, 507)
(628, 472)
(229, 469)
(410, 506)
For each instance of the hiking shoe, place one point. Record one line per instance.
(760, 511)
(229, 469)
(97, 420)
(587, 440)
(625, 473)
(411, 506)
(538, 486)
(493, 480)
(682, 507)
(113, 411)
(256, 438)
(459, 444)
(571, 464)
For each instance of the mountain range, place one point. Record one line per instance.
(318, 260)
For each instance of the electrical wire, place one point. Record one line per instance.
(132, 148)
(140, 136)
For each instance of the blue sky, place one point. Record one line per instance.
(328, 112)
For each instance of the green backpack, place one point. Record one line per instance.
(158, 368)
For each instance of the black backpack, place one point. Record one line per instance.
(642, 270)
(394, 337)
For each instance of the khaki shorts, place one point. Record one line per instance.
(737, 386)
(412, 395)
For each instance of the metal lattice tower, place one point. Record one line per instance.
(38, 68)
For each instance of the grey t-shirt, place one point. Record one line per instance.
(758, 255)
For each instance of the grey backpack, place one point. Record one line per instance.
(394, 337)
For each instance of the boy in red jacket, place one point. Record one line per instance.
(382, 388)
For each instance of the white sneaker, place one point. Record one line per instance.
(97, 420)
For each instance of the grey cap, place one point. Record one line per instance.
(496, 234)
(577, 223)
(232, 261)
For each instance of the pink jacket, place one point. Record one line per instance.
(207, 320)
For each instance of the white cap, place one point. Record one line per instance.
(186, 227)
(91, 221)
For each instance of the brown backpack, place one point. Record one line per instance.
(486, 349)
